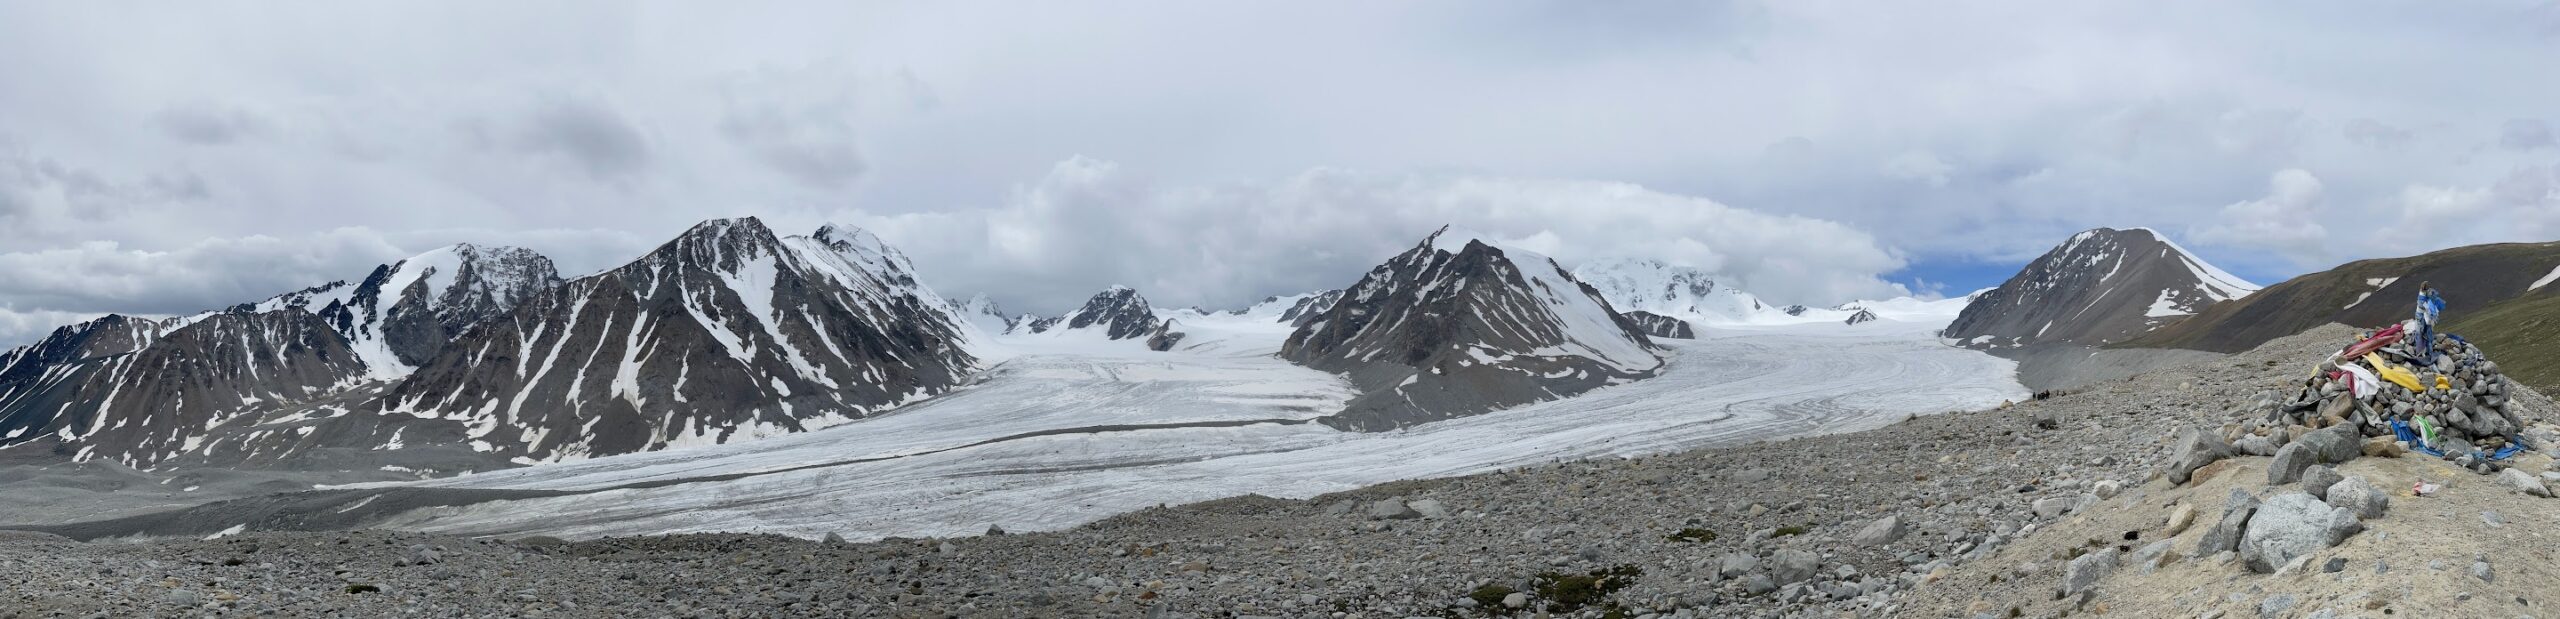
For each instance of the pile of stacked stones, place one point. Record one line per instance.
(2460, 399)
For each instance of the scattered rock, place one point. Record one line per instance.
(2255, 445)
(2179, 519)
(2084, 573)
(1429, 508)
(420, 554)
(2195, 448)
(2335, 444)
(2359, 496)
(2290, 462)
(2519, 481)
(1735, 565)
(2383, 447)
(2292, 525)
(1886, 530)
(2054, 506)
(2225, 534)
(2156, 555)
(2317, 479)
(2275, 605)
(1793, 566)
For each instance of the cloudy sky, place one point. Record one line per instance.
(168, 158)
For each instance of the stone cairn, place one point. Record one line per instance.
(2460, 396)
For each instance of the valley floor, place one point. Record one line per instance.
(1066, 432)
(1699, 533)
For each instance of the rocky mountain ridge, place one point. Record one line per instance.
(725, 332)
(2099, 287)
(1459, 325)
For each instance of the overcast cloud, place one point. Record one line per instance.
(171, 158)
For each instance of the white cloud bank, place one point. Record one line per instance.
(1090, 224)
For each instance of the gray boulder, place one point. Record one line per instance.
(2290, 461)
(2520, 481)
(2255, 445)
(2195, 448)
(1793, 566)
(2335, 444)
(2316, 480)
(1429, 508)
(2084, 573)
(1736, 564)
(1886, 530)
(2056, 506)
(1759, 584)
(2359, 496)
(2155, 555)
(2225, 534)
(2290, 526)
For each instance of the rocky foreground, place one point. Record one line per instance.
(2047, 508)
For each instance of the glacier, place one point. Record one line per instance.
(1064, 431)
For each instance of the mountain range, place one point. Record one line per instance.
(469, 357)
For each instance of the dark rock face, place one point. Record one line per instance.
(1164, 337)
(1863, 316)
(42, 382)
(1308, 308)
(2102, 286)
(148, 404)
(1457, 327)
(1119, 313)
(142, 391)
(402, 314)
(724, 332)
(1660, 326)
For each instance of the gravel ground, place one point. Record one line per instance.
(1786, 528)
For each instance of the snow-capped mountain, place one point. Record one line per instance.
(727, 332)
(1461, 325)
(1675, 291)
(141, 390)
(42, 384)
(2101, 286)
(983, 312)
(404, 312)
(1118, 313)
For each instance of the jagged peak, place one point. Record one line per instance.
(846, 238)
(2223, 283)
(1453, 239)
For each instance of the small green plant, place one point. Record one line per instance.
(1490, 596)
(1797, 529)
(1567, 593)
(355, 589)
(1693, 534)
